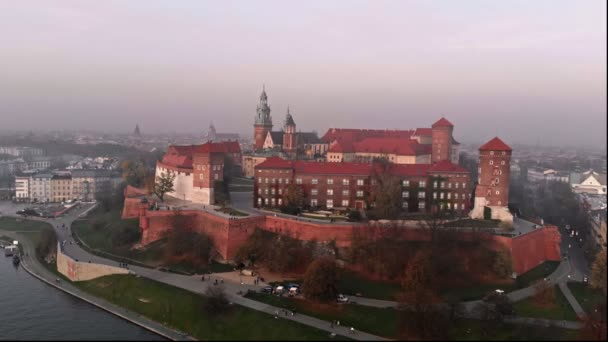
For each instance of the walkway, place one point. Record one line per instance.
(33, 266)
(194, 284)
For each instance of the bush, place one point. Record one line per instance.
(216, 301)
(354, 216)
(47, 244)
(290, 210)
(125, 236)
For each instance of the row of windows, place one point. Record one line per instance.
(449, 195)
(437, 184)
(213, 167)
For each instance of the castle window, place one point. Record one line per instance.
(272, 191)
(405, 194)
(504, 153)
(449, 205)
(421, 204)
(434, 195)
(345, 203)
(266, 180)
(497, 192)
(449, 195)
(359, 193)
(280, 191)
(200, 176)
(456, 185)
(298, 180)
(463, 185)
(330, 191)
(280, 201)
(496, 180)
(359, 181)
(345, 193)
(280, 180)
(492, 153)
(314, 192)
(422, 184)
(421, 194)
(456, 195)
(313, 202)
(405, 205)
(330, 203)
(272, 201)
(259, 201)
(406, 183)
(435, 184)
(266, 191)
(502, 162)
(441, 195)
(315, 181)
(330, 181)
(215, 176)
(345, 181)
(462, 206)
(260, 191)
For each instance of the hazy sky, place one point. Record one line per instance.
(524, 70)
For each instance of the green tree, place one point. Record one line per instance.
(164, 184)
(321, 280)
(134, 172)
(47, 245)
(598, 271)
(216, 301)
(294, 196)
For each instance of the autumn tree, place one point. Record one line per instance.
(502, 265)
(418, 274)
(598, 271)
(321, 280)
(387, 196)
(47, 245)
(164, 184)
(134, 172)
(544, 294)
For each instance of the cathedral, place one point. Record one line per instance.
(288, 141)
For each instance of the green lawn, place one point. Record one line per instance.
(102, 238)
(586, 296)
(381, 322)
(480, 290)
(475, 330)
(351, 284)
(184, 311)
(561, 310)
(17, 224)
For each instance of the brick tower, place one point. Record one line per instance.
(442, 140)
(494, 174)
(263, 122)
(207, 167)
(289, 134)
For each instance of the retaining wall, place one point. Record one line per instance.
(81, 271)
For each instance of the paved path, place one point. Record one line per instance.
(194, 283)
(572, 300)
(34, 267)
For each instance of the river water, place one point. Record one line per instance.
(32, 310)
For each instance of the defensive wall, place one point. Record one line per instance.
(527, 250)
(81, 271)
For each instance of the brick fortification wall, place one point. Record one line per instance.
(527, 251)
(81, 271)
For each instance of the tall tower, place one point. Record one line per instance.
(136, 132)
(442, 140)
(211, 135)
(492, 192)
(289, 133)
(263, 122)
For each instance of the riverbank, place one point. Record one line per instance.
(31, 265)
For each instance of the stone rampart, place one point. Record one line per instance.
(81, 271)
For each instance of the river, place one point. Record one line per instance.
(32, 310)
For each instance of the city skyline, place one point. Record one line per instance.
(522, 71)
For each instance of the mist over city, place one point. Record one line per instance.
(319, 170)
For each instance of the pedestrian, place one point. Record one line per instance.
(338, 323)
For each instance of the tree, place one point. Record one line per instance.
(321, 280)
(387, 195)
(47, 245)
(134, 172)
(164, 184)
(418, 274)
(216, 301)
(294, 196)
(598, 271)
(502, 265)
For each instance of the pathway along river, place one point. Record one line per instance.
(32, 310)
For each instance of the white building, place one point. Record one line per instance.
(40, 186)
(22, 188)
(589, 182)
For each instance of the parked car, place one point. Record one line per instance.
(342, 298)
(267, 289)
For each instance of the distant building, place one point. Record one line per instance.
(492, 191)
(212, 135)
(536, 175)
(61, 188)
(136, 132)
(21, 151)
(88, 184)
(598, 224)
(589, 182)
(22, 188)
(292, 143)
(40, 186)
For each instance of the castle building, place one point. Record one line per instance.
(196, 169)
(420, 146)
(213, 135)
(294, 144)
(492, 191)
(351, 185)
(263, 122)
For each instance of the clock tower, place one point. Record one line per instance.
(263, 122)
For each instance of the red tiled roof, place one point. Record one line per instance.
(446, 166)
(341, 147)
(423, 132)
(404, 147)
(409, 169)
(275, 163)
(495, 145)
(181, 156)
(327, 168)
(442, 122)
(354, 135)
(220, 147)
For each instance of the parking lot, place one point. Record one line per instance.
(9, 208)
